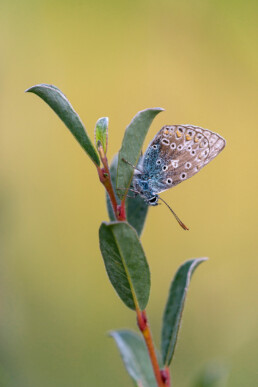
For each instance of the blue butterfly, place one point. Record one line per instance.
(176, 153)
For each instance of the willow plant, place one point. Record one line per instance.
(120, 245)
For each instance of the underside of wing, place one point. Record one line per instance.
(177, 153)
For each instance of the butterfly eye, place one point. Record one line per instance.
(153, 200)
(169, 181)
(173, 145)
(183, 176)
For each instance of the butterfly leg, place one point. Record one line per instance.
(127, 162)
(129, 189)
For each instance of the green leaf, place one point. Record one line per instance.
(174, 308)
(213, 375)
(131, 146)
(136, 208)
(101, 133)
(125, 263)
(62, 107)
(135, 357)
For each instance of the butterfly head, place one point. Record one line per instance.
(142, 187)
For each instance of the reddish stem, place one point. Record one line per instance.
(104, 177)
(121, 211)
(162, 376)
(165, 374)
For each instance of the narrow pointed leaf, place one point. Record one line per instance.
(62, 107)
(101, 133)
(132, 145)
(136, 207)
(135, 357)
(174, 308)
(125, 263)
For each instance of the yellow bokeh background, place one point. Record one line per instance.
(198, 60)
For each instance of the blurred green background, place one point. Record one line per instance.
(198, 60)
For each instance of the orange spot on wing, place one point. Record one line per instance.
(188, 138)
(178, 133)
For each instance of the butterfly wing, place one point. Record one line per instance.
(177, 153)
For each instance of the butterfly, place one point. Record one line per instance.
(175, 154)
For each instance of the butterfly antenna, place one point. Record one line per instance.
(175, 215)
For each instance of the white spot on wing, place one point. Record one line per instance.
(174, 163)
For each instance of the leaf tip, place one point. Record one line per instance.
(32, 89)
(154, 109)
(111, 334)
(29, 90)
(202, 259)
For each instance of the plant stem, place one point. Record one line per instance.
(162, 376)
(104, 177)
(166, 376)
(146, 332)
